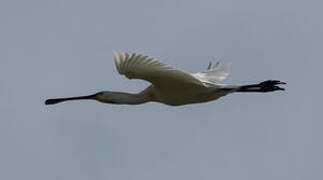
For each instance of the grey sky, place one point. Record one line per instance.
(63, 48)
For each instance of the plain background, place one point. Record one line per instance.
(63, 48)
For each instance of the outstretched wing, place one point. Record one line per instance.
(214, 74)
(162, 75)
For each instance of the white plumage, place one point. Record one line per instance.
(214, 74)
(170, 85)
(136, 66)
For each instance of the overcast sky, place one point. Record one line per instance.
(63, 48)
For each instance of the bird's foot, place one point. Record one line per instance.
(271, 85)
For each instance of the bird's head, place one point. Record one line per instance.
(106, 97)
(113, 97)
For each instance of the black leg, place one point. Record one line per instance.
(266, 86)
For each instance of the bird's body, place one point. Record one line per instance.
(169, 85)
(189, 96)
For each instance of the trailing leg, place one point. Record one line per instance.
(266, 86)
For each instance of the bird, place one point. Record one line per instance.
(169, 85)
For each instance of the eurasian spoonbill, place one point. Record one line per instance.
(170, 85)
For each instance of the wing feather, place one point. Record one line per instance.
(214, 74)
(137, 66)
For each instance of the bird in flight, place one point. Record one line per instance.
(170, 85)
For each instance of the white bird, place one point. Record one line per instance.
(170, 85)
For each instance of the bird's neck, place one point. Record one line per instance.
(123, 98)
